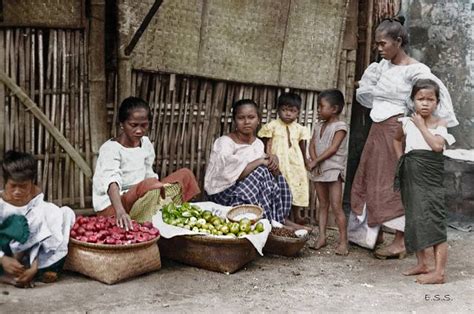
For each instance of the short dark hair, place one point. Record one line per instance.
(393, 28)
(334, 97)
(18, 166)
(289, 99)
(240, 103)
(129, 104)
(424, 84)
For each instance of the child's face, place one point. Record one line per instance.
(425, 102)
(18, 193)
(246, 119)
(136, 126)
(325, 110)
(288, 114)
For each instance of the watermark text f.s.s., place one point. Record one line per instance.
(439, 297)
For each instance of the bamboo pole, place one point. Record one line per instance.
(2, 97)
(23, 135)
(368, 36)
(194, 116)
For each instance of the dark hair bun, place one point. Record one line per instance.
(401, 19)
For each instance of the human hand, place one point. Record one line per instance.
(272, 163)
(418, 120)
(311, 165)
(12, 266)
(124, 221)
(25, 280)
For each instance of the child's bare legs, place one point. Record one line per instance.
(322, 190)
(335, 197)
(421, 267)
(436, 276)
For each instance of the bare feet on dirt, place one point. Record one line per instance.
(431, 278)
(342, 249)
(417, 270)
(320, 243)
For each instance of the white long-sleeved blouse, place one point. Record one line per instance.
(386, 88)
(122, 165)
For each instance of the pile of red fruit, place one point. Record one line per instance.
(104, 230)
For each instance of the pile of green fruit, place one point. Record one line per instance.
(193, 218)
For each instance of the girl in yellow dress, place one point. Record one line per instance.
(286, 139)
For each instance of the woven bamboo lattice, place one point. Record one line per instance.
(292, 43)
(43, 13)
(51, 66)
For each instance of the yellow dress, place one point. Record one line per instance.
(290, 156)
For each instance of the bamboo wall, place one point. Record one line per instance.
(51, 66)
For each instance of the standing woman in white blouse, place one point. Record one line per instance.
(124, 170)
(385, 87)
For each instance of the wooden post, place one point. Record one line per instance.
(97, 101)
(124, 66)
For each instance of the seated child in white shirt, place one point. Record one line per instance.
(34, 234)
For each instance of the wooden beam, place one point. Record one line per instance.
(55, 133)
(143, 26)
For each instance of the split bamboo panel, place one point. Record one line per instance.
(50, 65)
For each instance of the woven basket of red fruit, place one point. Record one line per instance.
(284, 242)
(101, 250)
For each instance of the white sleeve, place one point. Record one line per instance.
(225, 166)
(107, 169)
(149, 173)
(443, 132)
(367, 85)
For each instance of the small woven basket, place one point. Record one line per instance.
(284, 246)
(245, 209)
(113, 263)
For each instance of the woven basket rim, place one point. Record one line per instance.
(289, 240)
(215, 239)
(114, 247)
(236, 208)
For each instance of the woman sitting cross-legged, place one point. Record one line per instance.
(124, 172)
(239, 171)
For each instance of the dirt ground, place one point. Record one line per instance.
(315, 281)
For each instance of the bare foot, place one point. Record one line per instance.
(417, 270)
(320, 243)
(342, 249)
(49, 277)
(380, 238)
(432, 278)
(296, 226)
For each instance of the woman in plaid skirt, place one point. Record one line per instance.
(239, 171)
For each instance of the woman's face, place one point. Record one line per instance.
(246, 119)
(425, 102)
(135, 127)
(387, 47)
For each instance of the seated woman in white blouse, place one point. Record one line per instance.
(239, 171)
(124, 171)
